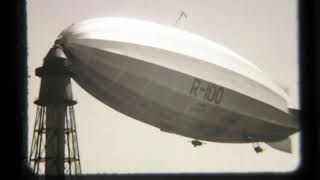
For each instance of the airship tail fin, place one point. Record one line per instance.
(294, 112)
(284, 87)
(282, 145)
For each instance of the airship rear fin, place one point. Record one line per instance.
(283, 86)
(283, 145)
(294, 112)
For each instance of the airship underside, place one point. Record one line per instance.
(173, 91)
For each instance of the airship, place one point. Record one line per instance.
(177, 81)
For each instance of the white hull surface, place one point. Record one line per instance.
(177, 91)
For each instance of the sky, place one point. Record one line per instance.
(264, 32)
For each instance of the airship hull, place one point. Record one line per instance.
(174, 101)
(177, 81)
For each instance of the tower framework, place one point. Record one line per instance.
(54, 148)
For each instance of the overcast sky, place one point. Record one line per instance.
(264, 32)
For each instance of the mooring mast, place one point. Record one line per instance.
(54, 148)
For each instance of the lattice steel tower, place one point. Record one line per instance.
(54, 148)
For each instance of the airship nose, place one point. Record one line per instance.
(58, 52)
(56, 55)
(58, 41)
(60, 48)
